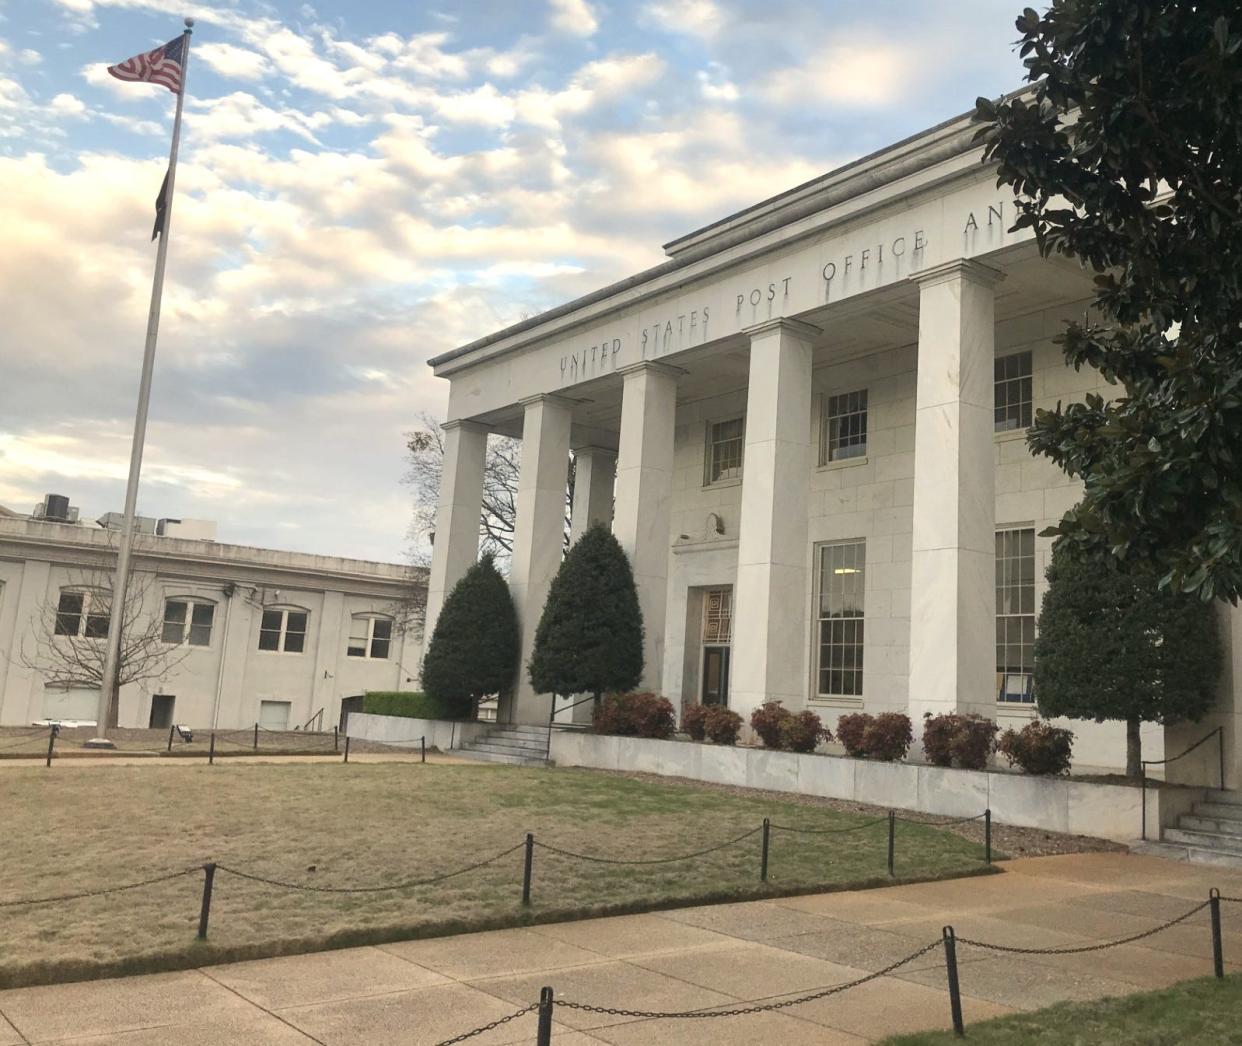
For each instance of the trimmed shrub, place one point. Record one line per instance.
(766, 722)
(851, 730)
(887, 737)
(694, 721)
(640, 714)
(1038, 748)
(802, 732)
(959, 740)
(722, 725)
(408, 703)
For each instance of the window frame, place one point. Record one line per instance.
(709, 448)
(84, 615)
(283, 632)
(188, 624)
(825, 426)
(1006, 620)
(368, 653)
(857, 622)
(1024, 382)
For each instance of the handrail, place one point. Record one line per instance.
(317, 716)
(547, 753)
(1218, 733)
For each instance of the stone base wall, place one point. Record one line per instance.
(405, 732)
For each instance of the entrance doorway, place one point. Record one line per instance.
(717, 639)
(349, 704)
(161, 711)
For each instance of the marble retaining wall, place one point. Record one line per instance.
(400, 730)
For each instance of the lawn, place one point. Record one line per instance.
(75, 828)
(1206, 1012)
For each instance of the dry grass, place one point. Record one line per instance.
(77, 828)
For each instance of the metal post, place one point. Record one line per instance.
(51, 743)
(1220, 748)
(423, 745)
(892, 839)
(209, 877)
(1144, 766)
(171, 729)
(256, 737)
(955, 991)
(211, 752)
(763, 860)
(346, 748)
(336, 741)
(1218, 955)
(530, 860)
(543, 1036)
(987, 835)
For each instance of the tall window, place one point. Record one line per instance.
(369, 636)
(283, 631)
(1013, 392)
(724, 450)
(718, 615)
(188, 621)
(82, 613)
(1015, 615)
(842, 576)
(844, 432)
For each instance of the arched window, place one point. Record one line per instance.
(370, 635)
(283, 630)
(82, 612)
(188, 619)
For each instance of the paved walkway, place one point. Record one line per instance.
(420, 992)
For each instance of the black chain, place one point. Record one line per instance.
(822, 993)
(651, 860)
(1086, 947)
(40, 735)
(488, 1027)
(404, 885)
(1232, 900)
(829, 831)
(943, 824)
(100, 893)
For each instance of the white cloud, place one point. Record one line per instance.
(693, 17)
(235, 63)
(859, 74)
(715, 85)
(29, 56)
(575, 17)
(67, 105)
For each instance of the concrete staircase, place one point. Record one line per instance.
(520, 745)
(1210, 834)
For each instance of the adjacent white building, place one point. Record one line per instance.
(250, 635)
(813, 419)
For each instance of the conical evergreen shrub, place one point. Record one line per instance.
(475, 647)
(590, 636)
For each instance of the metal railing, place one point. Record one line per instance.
(1218, 733)
(554, 725)
(317, 719)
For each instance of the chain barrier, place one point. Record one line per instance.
(781, 1004)
(652, 860)
(1079, 949)
(488, 1027)
(405, 885)
(40, 735)
(99, 893)
(829, 831)
(942, 824)
(1231, 900)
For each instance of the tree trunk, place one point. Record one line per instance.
(1134, 749)
(114, 707)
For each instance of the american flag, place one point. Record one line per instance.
(161, 66)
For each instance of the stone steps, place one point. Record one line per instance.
(1193, 854)
(516, 745)
(1210, 834)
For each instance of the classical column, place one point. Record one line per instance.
(953, 582)
(769, 617)
(538, 536)
(644, 485)
(595, 472)
(456, 543)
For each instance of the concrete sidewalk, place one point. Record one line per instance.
(420, 992)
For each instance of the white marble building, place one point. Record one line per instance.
(253, 635)
(813, 414)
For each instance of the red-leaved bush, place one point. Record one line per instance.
(888, 736)
(722, 725)
(694, 721)
(766, 722)
(1038, 748)
(959, 740)
(851, 729)
(802, 732)
(641, 714)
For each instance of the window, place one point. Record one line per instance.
(844, 433)
(370, 636)
(82, 613)
(1015, 615)
(842, 577)
(188, 621)
(1013, 392)
(718, 615)
(274, 715)
(724, 450)
(283, 631)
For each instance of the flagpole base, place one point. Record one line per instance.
(99, 742)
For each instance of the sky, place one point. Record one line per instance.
(366, 183)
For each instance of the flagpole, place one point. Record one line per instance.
(116, 623)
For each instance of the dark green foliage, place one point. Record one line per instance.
(636, 715)
(409, 703)
(964, 741)
(590, 636)
(802, 732)
(1112, 645)
(1038, 748)
(1129, 98)
(475, 647)
(766, 721)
